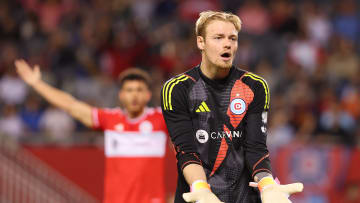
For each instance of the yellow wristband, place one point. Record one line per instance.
(199, 184)
(265, 181)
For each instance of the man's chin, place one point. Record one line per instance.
(225, 65)
(134, 110)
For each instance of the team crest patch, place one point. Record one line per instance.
(237, 106)
(145, 127)
(202, 136)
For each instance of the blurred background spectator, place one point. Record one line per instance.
(308, 51)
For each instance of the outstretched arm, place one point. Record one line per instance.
(257, 154)
(200, 189)
(32, 76)
(178, 120)
(194, 172)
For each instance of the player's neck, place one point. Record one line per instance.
(212, 71)
(135, 114)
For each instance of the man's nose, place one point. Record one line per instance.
(227, 44)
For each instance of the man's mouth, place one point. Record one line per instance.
(226, 55)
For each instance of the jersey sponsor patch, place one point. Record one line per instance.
(238, 106)
(202, 136)
(135, 144)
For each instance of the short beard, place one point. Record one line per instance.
(225, 66)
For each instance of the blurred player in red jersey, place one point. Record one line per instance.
(135, 137)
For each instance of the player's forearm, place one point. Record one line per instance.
(194, 172)
(54, 96)
(256, 152)
(77, 109)
(261, 175)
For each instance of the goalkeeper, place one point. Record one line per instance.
(216, 115)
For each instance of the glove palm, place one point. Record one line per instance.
(275, 193)
(202, 195)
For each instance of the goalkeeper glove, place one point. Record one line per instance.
(271, 192)
(200, 193)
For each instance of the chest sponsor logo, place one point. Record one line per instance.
(222, 134)
(237, 106)
(135, 144)
(202, 136)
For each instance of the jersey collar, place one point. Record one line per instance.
(137, 119)
(218, 84)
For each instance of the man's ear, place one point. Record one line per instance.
(148, 96)
(200, 41)
(120, 96)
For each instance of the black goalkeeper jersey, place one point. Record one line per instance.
(221, 125)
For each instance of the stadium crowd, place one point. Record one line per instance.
(308, 51)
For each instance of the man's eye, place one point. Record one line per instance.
(217, 37)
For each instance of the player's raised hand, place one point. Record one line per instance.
(271, 192)
(27, 73)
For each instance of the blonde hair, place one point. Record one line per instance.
(206, 17)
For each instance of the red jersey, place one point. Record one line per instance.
(135, 155)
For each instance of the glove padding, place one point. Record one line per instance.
(279, 193)
(276, 193)
(202, 195)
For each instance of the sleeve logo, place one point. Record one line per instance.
(237, 106)
(264, 117)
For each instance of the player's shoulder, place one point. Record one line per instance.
(107, 114)
(111, 111)
(177, 88)
(154, 111)
(180, 83)
(182, 80)
(254, 81)
(258, 85)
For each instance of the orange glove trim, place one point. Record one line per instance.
(199, 184)
(264, 182)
